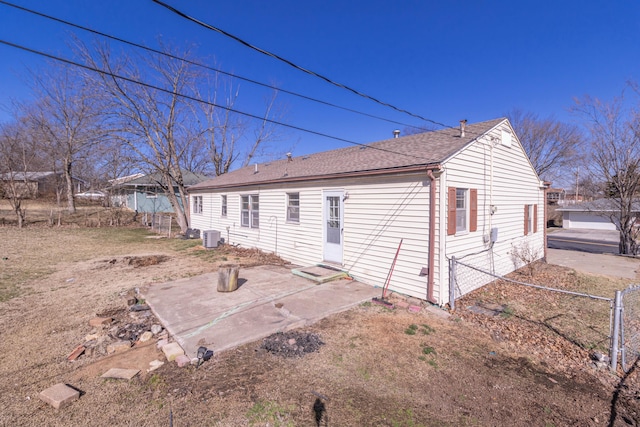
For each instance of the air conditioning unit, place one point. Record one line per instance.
(210, 238)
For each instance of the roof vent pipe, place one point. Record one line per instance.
(396, 133)
(463, 123)
(255, 169)
(289, 157)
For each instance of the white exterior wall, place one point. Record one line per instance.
(514, 185)
(378, 212)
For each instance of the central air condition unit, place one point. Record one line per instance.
(210, 238)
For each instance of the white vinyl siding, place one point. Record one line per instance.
(514, 185)
(378, 212)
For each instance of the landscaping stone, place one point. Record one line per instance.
(156, 329)
(183, 360)
(121, 374)
(100, 321)
(118, 347)
(91, 337)
(146, 336)
(59, 395)
(154, 364)
(162, 343)
(172, 351)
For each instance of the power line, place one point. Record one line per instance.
(192, 98)
(199, 64)
(294, 65)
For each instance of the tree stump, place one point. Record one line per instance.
(228, 278)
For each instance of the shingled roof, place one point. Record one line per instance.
(388, 156)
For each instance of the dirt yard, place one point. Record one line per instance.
(372, 367)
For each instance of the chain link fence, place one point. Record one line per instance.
(159, 223)
(626, 340)
(465, 278)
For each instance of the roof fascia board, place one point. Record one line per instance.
(395, 171)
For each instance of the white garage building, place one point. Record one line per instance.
(597, 215)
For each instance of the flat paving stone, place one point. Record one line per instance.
(59, 395)
(120, 373)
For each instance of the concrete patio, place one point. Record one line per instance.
(269, 299)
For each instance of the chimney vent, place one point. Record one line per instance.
(463, 123)
(396, 133)
(289, 157)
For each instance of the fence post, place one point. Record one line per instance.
(452, 281)
(617, 309)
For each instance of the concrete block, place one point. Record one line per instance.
(183, 360)
(146, 336)
(118, 347)
(172, 351)
(121, 374)
(59, 395)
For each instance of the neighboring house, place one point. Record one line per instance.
(555, 196)
(31, 185)
(595, 215)
(144, 193)
(441, 192)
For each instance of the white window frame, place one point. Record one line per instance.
(250, 211)
(530, 217)
(223, 205)
(293, 210)
(197, 204)
(462, 213)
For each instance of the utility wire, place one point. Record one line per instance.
(200, 64)
(294, 65)
(192, 98)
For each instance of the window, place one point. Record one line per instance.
(462, 210)
(250, 211)
(223, 203)
(293, 207)
(197, 204)
(530, 219)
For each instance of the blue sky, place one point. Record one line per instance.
(445, 60)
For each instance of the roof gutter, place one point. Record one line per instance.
(377, 172)
(432, 233)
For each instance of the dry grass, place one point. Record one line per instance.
(370, 372)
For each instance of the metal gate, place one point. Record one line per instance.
(626, 333)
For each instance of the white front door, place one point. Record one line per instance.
(333, 223)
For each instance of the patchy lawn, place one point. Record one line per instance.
(528, 366)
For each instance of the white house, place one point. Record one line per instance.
(441, 192)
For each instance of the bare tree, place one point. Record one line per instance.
(614, 136)
(155, 110)
(550, 144)
(66, 116)
(18, 155)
